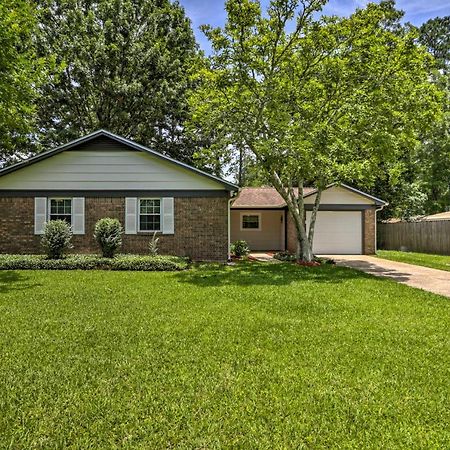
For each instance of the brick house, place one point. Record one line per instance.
(104, 175)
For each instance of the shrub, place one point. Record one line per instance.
(240, 248)
(92, 262)
(108, 234)
(153, 245)
(56, 238)
(285, 256)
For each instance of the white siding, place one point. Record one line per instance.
(103, 169)
(340, 196)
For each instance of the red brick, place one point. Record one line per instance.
(201, 227)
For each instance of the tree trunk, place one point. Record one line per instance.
(241, 166)
(296, 207)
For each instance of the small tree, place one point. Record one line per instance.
(108, 234)
(329, 101)
(153, 245)
(57, 238)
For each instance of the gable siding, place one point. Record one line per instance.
(103, 166)
(339, 196)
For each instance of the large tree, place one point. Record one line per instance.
(316, 100)
(21, 72)
(126, 69)
(434, 167)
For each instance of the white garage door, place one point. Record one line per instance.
(337, 232)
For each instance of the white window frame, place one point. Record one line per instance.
(241, 221)
(138, 213)
(49, 207)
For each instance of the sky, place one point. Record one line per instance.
(212, 12)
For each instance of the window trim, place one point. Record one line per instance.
(241, 221)
(49, 208)
(138, 214)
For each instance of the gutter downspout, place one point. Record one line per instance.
(232, 197)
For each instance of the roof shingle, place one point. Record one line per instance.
(262, 197)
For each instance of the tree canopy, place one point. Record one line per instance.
(332, 100)
(21, 72)
(125, 68)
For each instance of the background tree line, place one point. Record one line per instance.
(69, 67)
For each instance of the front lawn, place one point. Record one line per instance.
(255, 356)
(441, 262)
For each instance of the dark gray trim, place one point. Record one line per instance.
(229, 186)
(242, 208)
(322, 207)
(376, 200)
(337, 207)
(128, 193)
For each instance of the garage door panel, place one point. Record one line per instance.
(337, 232)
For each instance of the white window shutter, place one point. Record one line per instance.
(78, 215)
(40, 214)
(168, 220)
(130, 215)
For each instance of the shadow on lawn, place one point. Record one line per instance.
(261, 273)
(11, 280)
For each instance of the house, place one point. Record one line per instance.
(104, 175)
(439, 216)
(346, 220)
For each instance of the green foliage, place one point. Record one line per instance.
(153, 245)
(240, 248)
(250, 356)
(285, 256)
(126, 69)
(435, 35)
(331, 100)
(21, 73)
(56, 238)
(108, 234)
(93, 262)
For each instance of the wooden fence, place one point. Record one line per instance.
(426, 237)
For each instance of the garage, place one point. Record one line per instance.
(346, 221)
(337, 232)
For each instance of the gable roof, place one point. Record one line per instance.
(133, 145)
(268, 197)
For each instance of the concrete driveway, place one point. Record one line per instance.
(433, 280)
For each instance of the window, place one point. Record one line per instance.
(251, 222)
(149, 214)
(60, 209)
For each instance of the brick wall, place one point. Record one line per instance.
(201, 227)
(369, 217)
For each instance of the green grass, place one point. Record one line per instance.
(255, 356)
(441, 262)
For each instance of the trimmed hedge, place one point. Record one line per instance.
(92, 262)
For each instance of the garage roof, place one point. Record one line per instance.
(268, 197)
